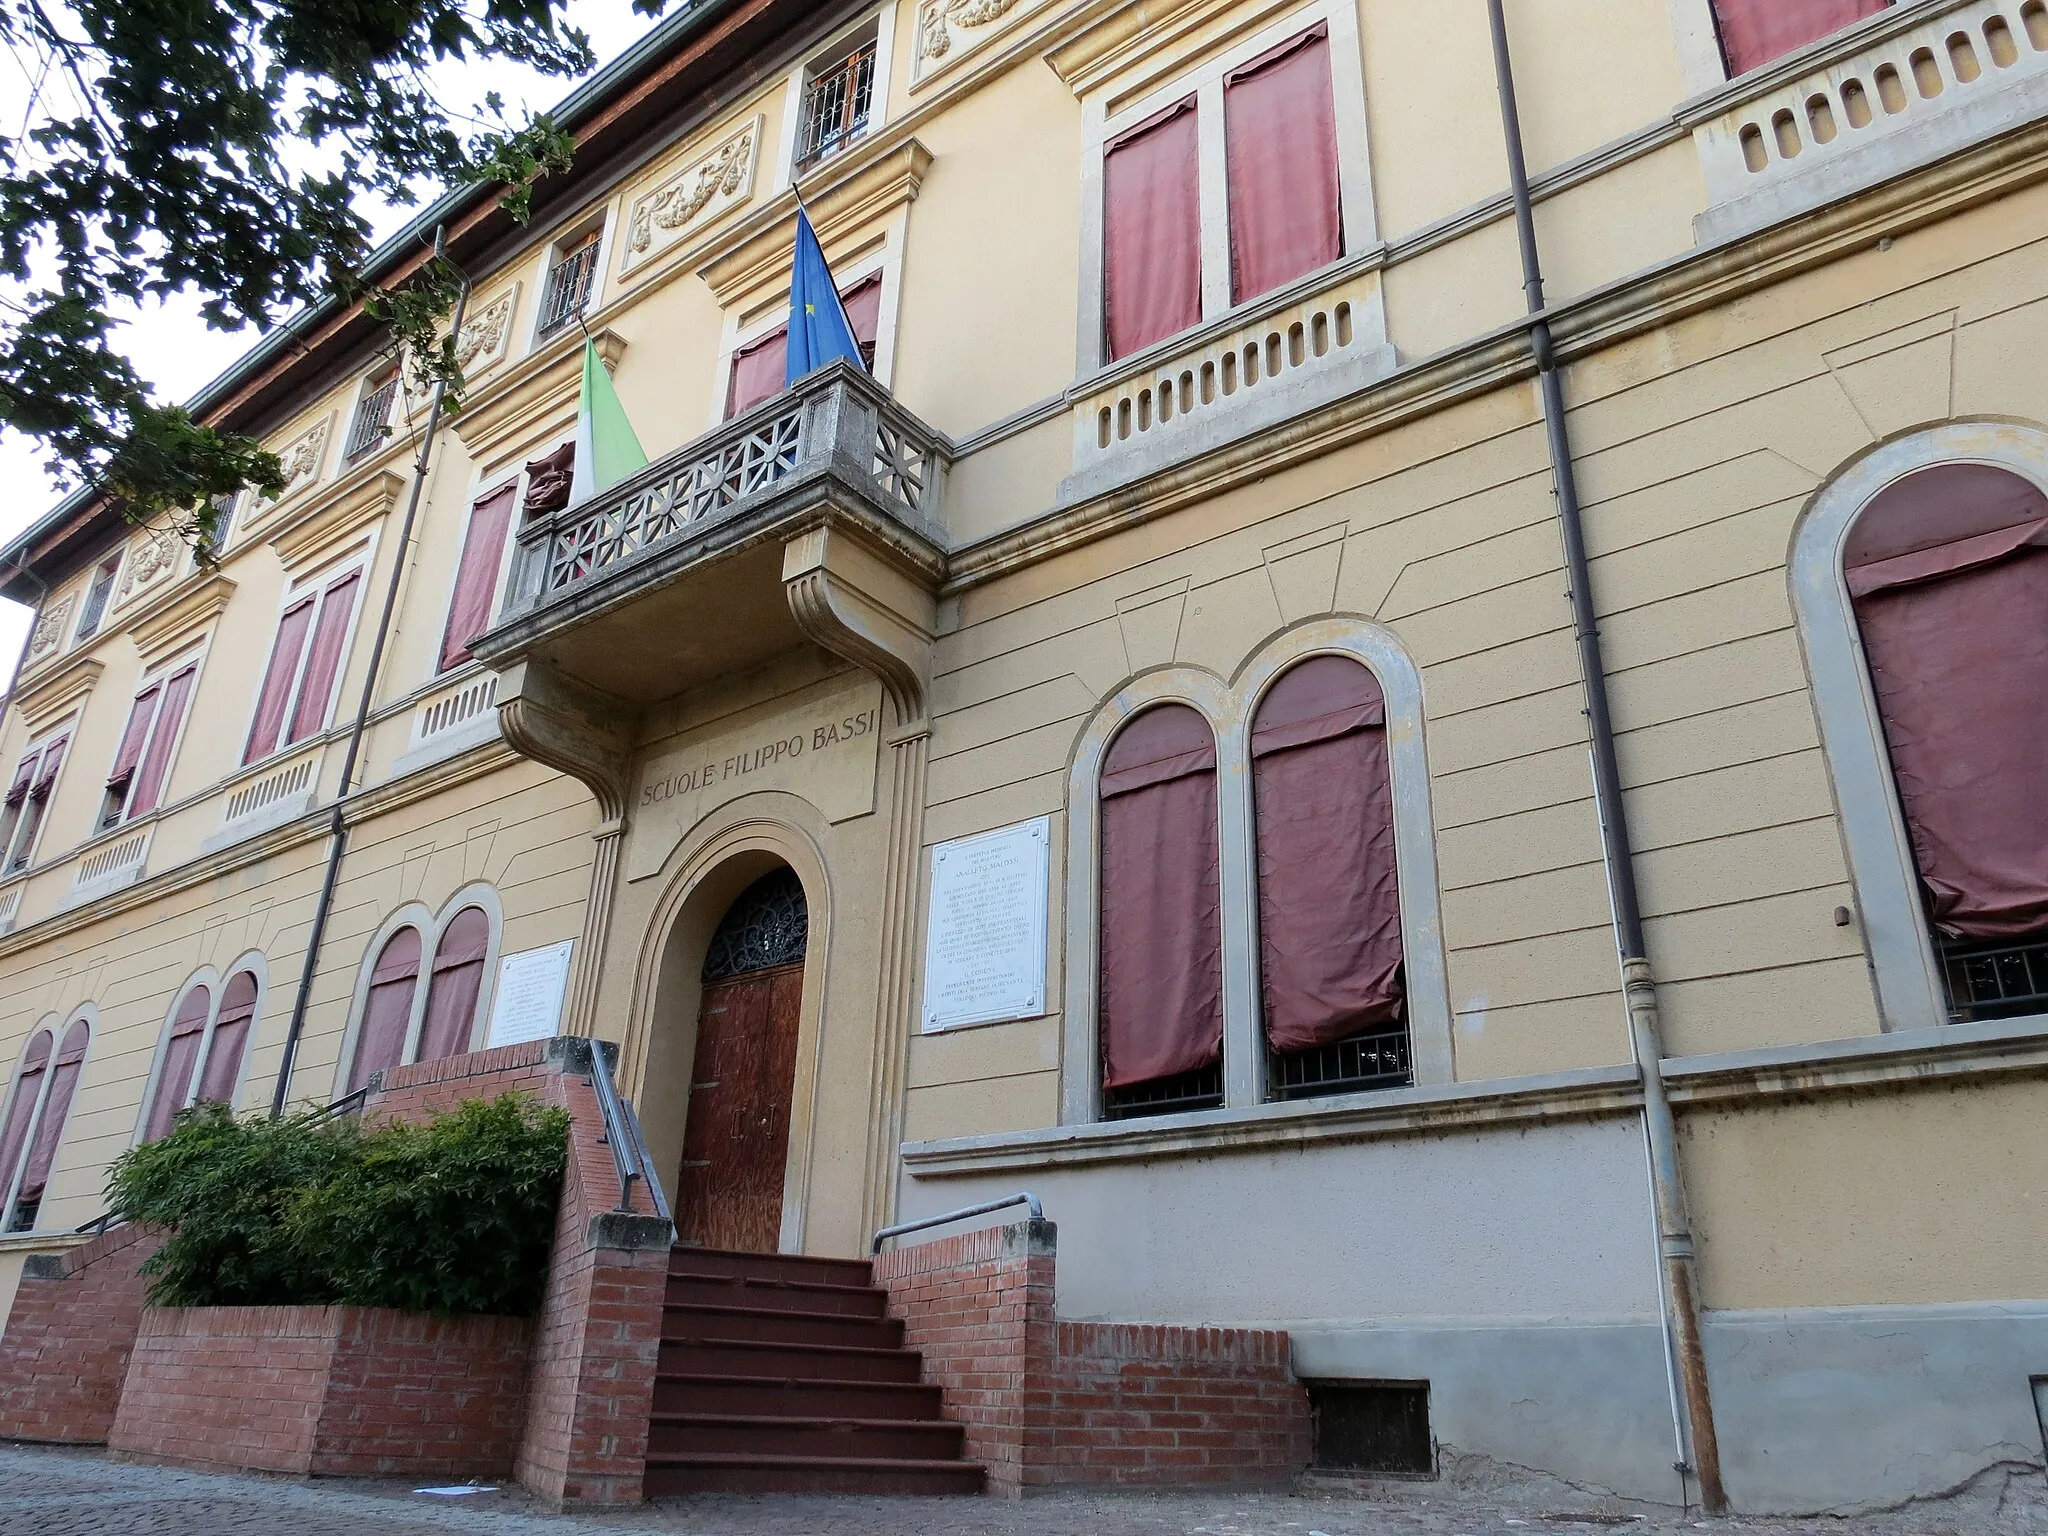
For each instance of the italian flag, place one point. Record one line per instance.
(606, 449)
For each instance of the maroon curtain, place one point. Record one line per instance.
(1329, 899)
(863, 303)
(277, 680)
(452, 990)
(1152, 231)
(24, 775)
(1956, 637)
(1161, 1004)
(42, 1155)
(387, 1012)
(330, 635)
(140, 713)
(549, 480)
(1754, 32)
(28, 1085)
(1280, 144)
(181, 1051)
(476, 578)
(757, 373)
(46, 776)
(230, 1040)
(163, 741)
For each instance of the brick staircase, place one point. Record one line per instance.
(783, 1374)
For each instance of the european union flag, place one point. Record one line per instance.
(818, 328)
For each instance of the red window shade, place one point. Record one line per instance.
(1280, 144)
(476, 578)
(1329, 899)
(863, 303)
(452, 990)
(230, 1040)
(42, 1154)
(387, 1013)
(757, 373)
(1152, 231)
(181, 1053)
(140, 714)
(163, 741)
(1956, 637)
(21, 1109)
(1161, 1004)
(330, 635)
(53, 759)
(24, 775)
(276, 694)
(1754, 32)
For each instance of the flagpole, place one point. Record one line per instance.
(804, 213)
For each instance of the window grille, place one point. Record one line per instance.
(224, 522)
(836, 105)
(373, 418)
(569, 283)
(1376, 1059)
(767, 926)
(1200, 1089)
(96, 597)
(1996, 981)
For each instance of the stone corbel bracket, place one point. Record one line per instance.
(569, 727)
(862, 606)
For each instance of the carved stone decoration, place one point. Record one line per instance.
(862, 608)
(301, 458)
(936, 17)
(49, 631)
(150, 563)
(484, 332)
(724, 175)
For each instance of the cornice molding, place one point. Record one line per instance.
(50, 698)
(186, 611)
(1150, 40)
(323, 526)
(531, 402)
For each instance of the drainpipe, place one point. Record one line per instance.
(337, 839)
(1677, 1271)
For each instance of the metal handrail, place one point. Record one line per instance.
(661, 1207)
(624, 1144)
(1037, 1214)
(347, 1104)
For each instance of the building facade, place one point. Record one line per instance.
(1185, 568)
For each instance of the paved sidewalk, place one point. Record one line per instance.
(81, 1493)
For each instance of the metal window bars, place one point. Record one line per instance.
(569, 284)
(1376, 1059)
(96, 597)
(373, 418)
(1199, 1089)
(836, 107)
(1996, 981)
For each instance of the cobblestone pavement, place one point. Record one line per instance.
(82, 1493)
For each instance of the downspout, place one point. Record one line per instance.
(337, 840)
(1677, 1271)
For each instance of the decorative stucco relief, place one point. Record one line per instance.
(302, 457)
(486, 334)
(49, 631)
(150, 563)
(722, 177)
(936, 20)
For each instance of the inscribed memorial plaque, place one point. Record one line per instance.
(528, 1003)
(985, 939)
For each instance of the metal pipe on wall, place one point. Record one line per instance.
(1677, 1269)
(337, 845)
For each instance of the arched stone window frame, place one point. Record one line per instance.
(1229, 708)
(216, 981)
(431, 925)
(60, 1026)
(1898, 944)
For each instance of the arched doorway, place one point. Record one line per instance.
(736, 1136)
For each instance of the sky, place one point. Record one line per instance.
(175, 350)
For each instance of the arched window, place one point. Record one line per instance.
(1329, 908)
(230, 1042)
(387, 1010)
(180, 1056)
(1160, 1003)
(35, 1121)
(1947, 573)
(452, 991)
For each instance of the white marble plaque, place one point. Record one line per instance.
(984, 956)
(531, 985)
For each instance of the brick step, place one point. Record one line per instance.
(822, 1438)
(690, 1322)
(760, 1357)
(713, 1472)
(776, 1295)
(796, 1395)
(770, 1266)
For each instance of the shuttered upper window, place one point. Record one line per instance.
(142, 762)
(28, 800)
(1754, 32)
(297, 695)
(476, 577)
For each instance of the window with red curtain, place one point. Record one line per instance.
(1948, 572)
(758, 368)
(181, 1055)
(230, 1041)
(476, 577)
(49, 1126)
(163, 741)
(1754, 32)
(1152, 230)
(323, 658)
(28, 799)
(1329, 897)
(387, 1011)
(1160, 1008)
(286, 652)
(22, 1105)
(134, 737)
(1280, 147)
(458, 977)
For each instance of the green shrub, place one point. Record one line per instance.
(452, 1217)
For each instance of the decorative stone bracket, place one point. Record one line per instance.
(859, 605)
(571, 727)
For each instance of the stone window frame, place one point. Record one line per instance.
(600, 219)
(1205, 82)
(482, 488)
(431, 925)
(883, 19)
(315, 578)
(59, 1025)
(1898, 942)
(257, 965)
(742, 329)
(1230, 707)
(194, 656)
(13, 843)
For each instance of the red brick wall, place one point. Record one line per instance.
(1048, 1403)
(342, 1391)
(65, 1351)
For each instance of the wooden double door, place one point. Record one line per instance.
(736, 1139)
